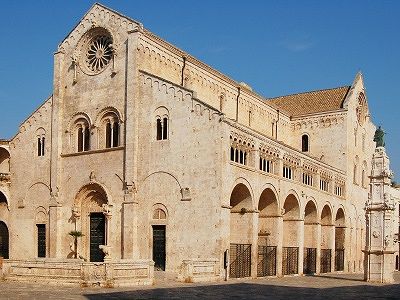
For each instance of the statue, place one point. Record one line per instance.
(379, 137)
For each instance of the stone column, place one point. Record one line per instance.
(254, 244)
(106, 248)
(279, 246)
(379, 210)
(332, 245)
(300, 236)
(129, 241)
(319, 241)
(55, 228)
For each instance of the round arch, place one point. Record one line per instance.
(326, 215)
(243, 185)
(4, 160)
(311, 212)
(4, 240)
(268, 204)
(291, 207)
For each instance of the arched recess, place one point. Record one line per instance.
(327, 239)
(340, 229)
(3, 199)
(291, 239)
(310, 238)
(4, 161)
(241, 231)
(41, 237)
(37, 194)
(163, 190)
(267, 232)
(91, 212)
(241, 204)
(4, 240)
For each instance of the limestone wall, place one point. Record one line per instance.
(179, 174)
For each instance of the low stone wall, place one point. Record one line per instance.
(76, 271)
(198, 270)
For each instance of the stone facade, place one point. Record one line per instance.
(153, 155)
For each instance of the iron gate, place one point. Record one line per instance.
(159, 253)
(41, 239)
(325, 260)
(290, 260)
(266, 261)
(3, 240)
(240, 260)
(339, 260)
(310, 261)
(97, 236)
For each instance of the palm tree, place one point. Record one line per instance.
(76, 234)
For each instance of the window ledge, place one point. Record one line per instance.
(93, 151)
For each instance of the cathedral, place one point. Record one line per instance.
(146, 160)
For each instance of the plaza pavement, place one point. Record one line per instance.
(332, 286)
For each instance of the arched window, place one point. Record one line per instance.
(305, 147)
(162, 123)
(41, 146)
(112, 134)
(40, 134)
(83, 137)
(159, 214)
(162, 128)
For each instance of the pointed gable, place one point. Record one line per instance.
(98, 15)
(311, 102)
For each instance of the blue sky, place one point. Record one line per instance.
(277, 47)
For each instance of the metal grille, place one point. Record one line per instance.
(97, 236)
(325, 260)
(159, 253)
(266, 261)
(310, 261)
(3, 240)
(240, 260)
(41, 239)
(290, 260)
(339, 260)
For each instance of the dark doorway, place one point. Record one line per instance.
(159, 247)
(41, 239)
(97, 236)
(3, 240)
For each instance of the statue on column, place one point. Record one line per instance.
(379, 137)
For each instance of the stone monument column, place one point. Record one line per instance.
(379, 211)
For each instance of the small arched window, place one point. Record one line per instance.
(112, 134)
(83, 137)
(162, 128)
(40, 146)
(162, 123)
(159, 214)
(305, 146)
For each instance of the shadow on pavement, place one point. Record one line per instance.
(257, 291)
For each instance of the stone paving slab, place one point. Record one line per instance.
(332, 286)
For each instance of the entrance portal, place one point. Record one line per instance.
(159, 247)
(3, 240)
(97, 236)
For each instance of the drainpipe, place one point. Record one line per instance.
(237, 104)
(183, 69)
(276, 125)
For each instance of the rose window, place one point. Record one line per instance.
(99, 53)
